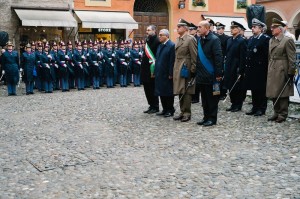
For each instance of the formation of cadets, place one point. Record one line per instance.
(60, 66)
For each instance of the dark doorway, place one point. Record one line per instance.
(147, 12)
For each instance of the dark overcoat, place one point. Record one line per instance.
(153, 43)
(48, 74)
(256, 67)
(63, 64)
(235, 61)
(28, 62)
(10, 64)
(165, 58)
(77, 60)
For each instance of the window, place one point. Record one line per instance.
(198, 5)
(241, 5)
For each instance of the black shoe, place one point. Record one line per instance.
(161, 113)
(229, 109)
(258, 113)
(252, 112)
(31, 93)
(146, 111)
(186, 118)
(28, 93)
(209, 123)
(235, 110)
(178, 117)
(195, 101)
(154, 110)
(273, 118)
(222, 97)
(202, 122)
(280, 120)
(168, 114)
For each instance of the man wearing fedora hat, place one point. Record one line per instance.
(281, 71)
(10, 64)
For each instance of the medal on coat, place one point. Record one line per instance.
(255, 50)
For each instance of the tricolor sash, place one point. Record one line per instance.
(151, 58)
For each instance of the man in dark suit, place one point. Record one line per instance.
(147, 76)
(163, 73)
(235, 66)
(257, 68)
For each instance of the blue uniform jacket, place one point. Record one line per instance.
(28, 62)
(10, 64)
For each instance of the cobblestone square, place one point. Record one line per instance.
(100, 144)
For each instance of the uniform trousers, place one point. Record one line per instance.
(281, 107)
(167, 103)
(237, 98)
(209, 102)
(259, 100)
(185, 104)
(149, 92)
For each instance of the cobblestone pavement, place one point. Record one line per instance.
(99, 144)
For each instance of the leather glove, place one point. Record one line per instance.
(193, 75)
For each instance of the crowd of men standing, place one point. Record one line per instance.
(62, 67)
(200, 61)
(218, 66)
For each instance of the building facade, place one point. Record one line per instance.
(286, 10)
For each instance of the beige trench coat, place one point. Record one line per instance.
(186, 52)
(282, 55)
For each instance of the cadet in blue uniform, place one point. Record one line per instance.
(78, 62)
(28, 62)
(95, 66)
(38, 56)
(48, 70)
(85, 64)
(256, 69)
(234, 67)
(54, 53)
(63, 67)
(70, 65)
(109, 65)
(135, 57)
(123, 62)
(10, 67)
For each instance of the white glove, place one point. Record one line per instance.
(47, 65)
(113, 55)
(88, 54)
(3, 72)
(21, 70)
(126, 55)
(112, 64)
(138, 62)
(124, 63)
(65, 65)
(96, 64)
(49, 56)
(81, 66)
(56, 65)
(67, 57)
(140, 53)
(83, 57)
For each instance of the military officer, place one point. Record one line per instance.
(71, 66)
(48, 71)
(38, 55)
(10, 67)
(123, 62)
(96, 69)
(281, 71)
(63, 67)
(256, 68)
(109, 57)
(28, 61)
(135, 57)
(78, 64)
(86, 67)
(235, 66)
(54, 53)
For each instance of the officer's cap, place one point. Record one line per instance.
(28, 45)
(235, 24)
(277, 22)
(182, 22)
(54, 44)
(62, 43)
(78, 43)
(256, 22)
(210, 21)
(69, 43)
(192, 26)
(9, 43)
(95, 43)
(219, 25)
(40, 44)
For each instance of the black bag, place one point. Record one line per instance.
(255, 11)
(3, 38)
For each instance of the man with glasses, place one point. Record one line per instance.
(147, 69)
(281, 71)
(256, 68)
(165, 57)
(186, 56)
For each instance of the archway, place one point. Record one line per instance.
(296, 24)
(148, 12)
(269, 16)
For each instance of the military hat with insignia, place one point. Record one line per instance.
(78, 43)
(28, 45)
(277, 22)
(54, 44)
(192, 26)
(62, 43)
(235, 24)
(69, 42)
(182, 22)
(40, 44)
(33, 43)
(9, 43)
(285, 23)
(210, 21)
(219, 25)
(256, 22)
(47, 45)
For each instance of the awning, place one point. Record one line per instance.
(226, 20)
(49, 18)
(113, 20)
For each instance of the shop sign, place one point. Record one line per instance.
(104, 30)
